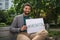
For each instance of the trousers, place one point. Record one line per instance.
(33, 36)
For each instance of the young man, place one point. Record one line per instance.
(19, 26)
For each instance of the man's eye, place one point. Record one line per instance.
(25, 8)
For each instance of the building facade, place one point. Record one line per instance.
(5, 4)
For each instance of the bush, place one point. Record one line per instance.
(3, 25)
(9, 21)
(54, 33)
(3, 16)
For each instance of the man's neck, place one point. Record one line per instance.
(25, 14)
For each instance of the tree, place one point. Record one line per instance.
(3, 16)
(37, 6)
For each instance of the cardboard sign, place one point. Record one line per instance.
(35, 25)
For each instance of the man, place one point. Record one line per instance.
(19, 26)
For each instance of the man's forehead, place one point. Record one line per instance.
(27, 6)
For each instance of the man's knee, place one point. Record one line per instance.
(43, 33)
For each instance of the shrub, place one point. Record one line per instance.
(3, 16)
(54, 33)
(3, 25)
(9, 21)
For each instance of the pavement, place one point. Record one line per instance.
(54, 29)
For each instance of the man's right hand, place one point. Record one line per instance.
(24, 27)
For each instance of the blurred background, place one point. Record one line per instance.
(48, 9)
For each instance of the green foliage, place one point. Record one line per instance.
(10, 19)
(59, 19)
(48, 6)
(3, 16)
(7, 16)
(3, 25)
(54, 33)
(11, 12)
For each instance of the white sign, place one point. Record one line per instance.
(35, 25)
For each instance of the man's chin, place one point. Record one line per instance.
(27, 13)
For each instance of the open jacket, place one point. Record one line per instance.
(17, 23)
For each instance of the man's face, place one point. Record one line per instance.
(27, 10)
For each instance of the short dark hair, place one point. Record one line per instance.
(27, 4)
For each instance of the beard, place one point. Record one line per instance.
(27, 13)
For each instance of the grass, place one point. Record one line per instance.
(54, 33)
(3, 25)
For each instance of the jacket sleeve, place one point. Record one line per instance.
(14, 26)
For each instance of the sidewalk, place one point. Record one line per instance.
(54, 29)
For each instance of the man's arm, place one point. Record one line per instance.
(14, 25)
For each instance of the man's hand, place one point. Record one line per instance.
(24, 27)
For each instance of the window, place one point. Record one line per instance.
(0, 8)
(0, 0)
(0, 4)
(6, 5)
(6, 0)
